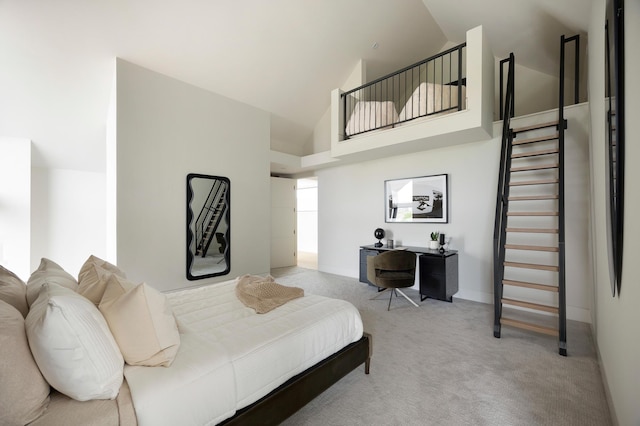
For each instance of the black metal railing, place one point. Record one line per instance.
(507, 61)
(500, 226)
(562, 125)
(210, 217)
(432, 86)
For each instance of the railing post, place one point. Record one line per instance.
(499, 232)
(460, 78)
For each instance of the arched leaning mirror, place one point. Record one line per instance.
(614, 43)
(208, 226)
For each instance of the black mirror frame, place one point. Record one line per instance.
(190, 236)
(616, 125)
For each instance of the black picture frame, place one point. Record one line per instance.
(423, 199)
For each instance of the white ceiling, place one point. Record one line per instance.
(283, 56)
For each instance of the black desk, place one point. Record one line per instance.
(438, 272)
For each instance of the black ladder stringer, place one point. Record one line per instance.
(499, 232)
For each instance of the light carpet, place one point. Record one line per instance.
(440, 365)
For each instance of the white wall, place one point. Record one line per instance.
(15, 205)
(617, 318)
(534, 91)
(351, 206)
(68, 218)
(165, 130)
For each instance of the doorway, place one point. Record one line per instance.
(307, 217)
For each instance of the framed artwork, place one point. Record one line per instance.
(421, 199)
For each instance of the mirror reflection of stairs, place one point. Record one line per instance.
(210, 218)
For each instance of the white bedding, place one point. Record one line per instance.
(368, 115)
(266, 349)
(230, 356)
(198, 388)
(429, 98)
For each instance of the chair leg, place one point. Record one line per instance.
(405, 296)
(379, 293)
(390, 297)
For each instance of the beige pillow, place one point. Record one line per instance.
(24, 394)
(95, 260)
(72, 345)
(93, 276)
(142, 323)
(116, 287)
(13, 290)
(48, 272)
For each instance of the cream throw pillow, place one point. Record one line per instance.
(141, 321)
(24, 394)
(93, 277)
(48, 272)
(13, 291)
(72, 345)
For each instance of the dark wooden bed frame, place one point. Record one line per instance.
(298, 391)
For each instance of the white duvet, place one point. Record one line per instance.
(261, 351)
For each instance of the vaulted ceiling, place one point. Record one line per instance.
(283, 56)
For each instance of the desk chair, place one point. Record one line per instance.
(223, 244)
(392, 270)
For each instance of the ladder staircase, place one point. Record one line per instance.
(529, 232)
(212, 213)
(530, 262)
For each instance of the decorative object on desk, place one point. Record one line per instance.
(379, 234)
(417, 200)
(441, 250)
(389, 243)
(433, 244)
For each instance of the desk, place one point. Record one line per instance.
(438, 272)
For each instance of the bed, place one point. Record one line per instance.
(371, 115)
(264, 351)
(232, 365)
(431, 99)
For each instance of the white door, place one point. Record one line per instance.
(283, 222)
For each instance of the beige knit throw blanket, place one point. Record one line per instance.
(264, 294)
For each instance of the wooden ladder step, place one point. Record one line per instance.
(534, 140)
(534, 197)
(534, 182)
(528, 247)
(536, 286)
(530, 305)
(530, 168)
(535, 153)
(536, 126)
(529, 326)
(531, 266)
(532, 213)
(533, 230)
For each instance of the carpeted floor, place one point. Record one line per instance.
(440, 365)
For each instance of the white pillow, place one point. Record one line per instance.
(48, 272)
(72, 345)
(142, 323)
